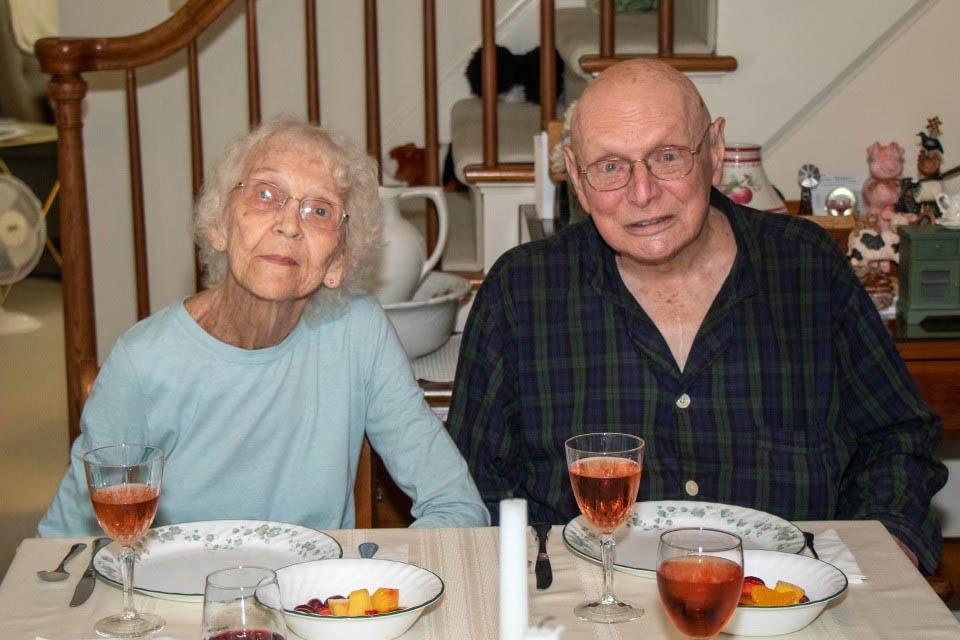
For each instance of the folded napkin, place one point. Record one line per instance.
(401, 553)
(833, 550)
(542, 632)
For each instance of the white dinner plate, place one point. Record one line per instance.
(173, 561)
(637, 540)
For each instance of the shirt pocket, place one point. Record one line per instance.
(796, 473)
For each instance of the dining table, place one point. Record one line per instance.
(894, 600)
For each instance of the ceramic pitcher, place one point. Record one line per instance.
(405, 262)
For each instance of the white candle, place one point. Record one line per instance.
(513, 569)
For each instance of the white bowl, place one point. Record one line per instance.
(820, 581)
(339, 576)
(426, 322)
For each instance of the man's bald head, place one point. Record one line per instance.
(643, 80)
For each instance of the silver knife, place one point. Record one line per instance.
(85, 586)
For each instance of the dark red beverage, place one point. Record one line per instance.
(247, 634)
(125, 511)
(699, 593)
(606, 489)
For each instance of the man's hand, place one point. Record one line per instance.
(906, 550)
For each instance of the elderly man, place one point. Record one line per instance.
(738, 343)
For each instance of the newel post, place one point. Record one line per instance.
(67, 91)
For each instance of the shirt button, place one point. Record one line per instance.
(692, 488)
(683, 401)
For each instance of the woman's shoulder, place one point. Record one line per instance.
(167, 323)
(360, 316)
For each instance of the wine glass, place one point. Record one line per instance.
(124, 483)
(605, 474)
(700, 576)
(242, 603)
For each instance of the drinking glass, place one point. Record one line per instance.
(605, 474)
(242, 603)
(124, 483)
(700, 576)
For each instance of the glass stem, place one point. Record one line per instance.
(606, 555)
(126, 570)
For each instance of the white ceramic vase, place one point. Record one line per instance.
(744, 180)
(405, 262)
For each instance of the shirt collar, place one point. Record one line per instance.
(604, 275)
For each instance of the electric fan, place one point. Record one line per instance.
(22, 235)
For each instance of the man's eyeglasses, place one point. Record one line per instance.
(664, 163)
(315, 212)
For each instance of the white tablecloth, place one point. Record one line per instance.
(894, 602)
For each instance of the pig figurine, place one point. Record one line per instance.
(877, 243)
(882, 189)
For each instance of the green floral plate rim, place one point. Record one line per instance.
(173, 561)
(636, 549)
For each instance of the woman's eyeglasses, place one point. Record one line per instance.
(664, 163)
(315, 212)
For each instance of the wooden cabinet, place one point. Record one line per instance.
(934, 363)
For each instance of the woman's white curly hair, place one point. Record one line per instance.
(354, 173)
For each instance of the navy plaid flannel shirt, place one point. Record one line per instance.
(794, 399)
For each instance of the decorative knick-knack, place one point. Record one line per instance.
(744, 180)
(808, 178)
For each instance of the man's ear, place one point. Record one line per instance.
(573, 170)
(717, 147)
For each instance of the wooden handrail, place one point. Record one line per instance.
(78, 55)
(596, 64)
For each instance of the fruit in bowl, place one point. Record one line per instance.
(360, 603)
(776, 583)
(387, 613)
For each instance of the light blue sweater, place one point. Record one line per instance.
(268, 434)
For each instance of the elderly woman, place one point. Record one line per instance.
(261, 387)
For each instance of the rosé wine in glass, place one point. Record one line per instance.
(124, 483)
(125, 511)
(700, 577)
(605, 475)
(605, 489)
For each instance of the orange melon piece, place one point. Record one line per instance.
(788, 587)
(767, 597)
(386, 600)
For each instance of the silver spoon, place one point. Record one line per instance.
(368, 549)
(59, 574)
